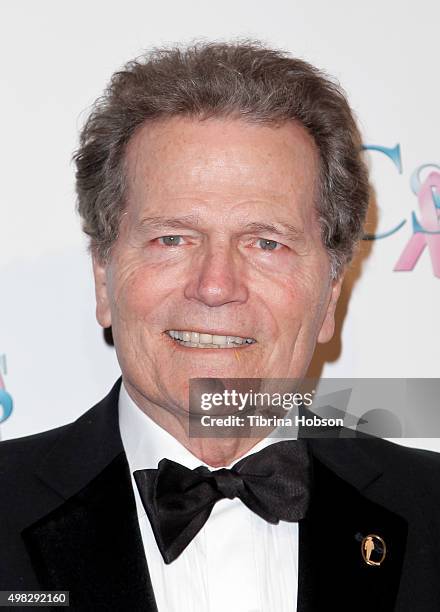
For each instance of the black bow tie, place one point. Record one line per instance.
(274, 483)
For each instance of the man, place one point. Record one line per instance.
(223, 192)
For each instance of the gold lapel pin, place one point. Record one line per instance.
(373, 549)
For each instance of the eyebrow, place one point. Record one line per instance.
(280, 229)
(286, 230)
(148, 223)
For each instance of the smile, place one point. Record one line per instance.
(193, 339)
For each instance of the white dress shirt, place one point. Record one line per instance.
(236, 563)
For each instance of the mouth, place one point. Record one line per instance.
(198, 339)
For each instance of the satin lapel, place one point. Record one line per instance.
(333, 574)
(91, 544)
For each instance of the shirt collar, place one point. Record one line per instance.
(146, 443)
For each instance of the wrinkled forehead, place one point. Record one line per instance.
(226, 162)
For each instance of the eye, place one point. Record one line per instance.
(170, 240)
(268, 245)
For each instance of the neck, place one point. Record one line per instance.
(215, 452)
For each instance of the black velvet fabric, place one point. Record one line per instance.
(92, 547)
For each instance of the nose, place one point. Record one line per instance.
(217, 277)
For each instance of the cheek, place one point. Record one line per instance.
(137, 296)
(290, 299)
(295, 305)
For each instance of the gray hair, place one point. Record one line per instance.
(242, 80)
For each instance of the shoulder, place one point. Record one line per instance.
(414, 470)
(399, 457)
(38, 470)
(24, 491)
(404, 478)
(24, 453)
(21, 453)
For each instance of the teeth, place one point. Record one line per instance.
(205, 339)
(199, 340)
(219, 339)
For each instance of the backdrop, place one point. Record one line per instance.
(56, 58)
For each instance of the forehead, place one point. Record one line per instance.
(230, 161)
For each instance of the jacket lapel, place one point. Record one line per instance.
(91, 544)
(332, 571)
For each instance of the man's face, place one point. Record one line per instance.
(219, 241)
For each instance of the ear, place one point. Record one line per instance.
(328, 325)
(103, 312)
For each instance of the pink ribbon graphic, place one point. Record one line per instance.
(429, 221)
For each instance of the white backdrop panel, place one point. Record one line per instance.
(55, 60)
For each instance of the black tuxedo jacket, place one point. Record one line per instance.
(68, 521)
